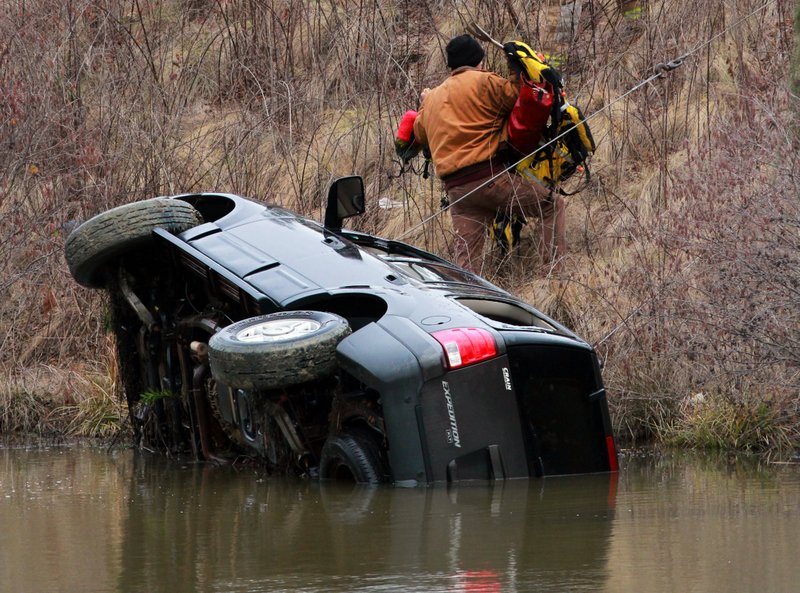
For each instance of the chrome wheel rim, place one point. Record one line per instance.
(278, 330)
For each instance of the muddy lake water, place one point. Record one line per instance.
(79, 519)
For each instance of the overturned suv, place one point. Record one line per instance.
(246, 329)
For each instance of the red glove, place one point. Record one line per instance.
(405, 130)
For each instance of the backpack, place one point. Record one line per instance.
(555, 161)
(505, 231)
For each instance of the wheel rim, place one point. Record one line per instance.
(278, 330)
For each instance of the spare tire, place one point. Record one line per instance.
(277, 350)
(94, 244)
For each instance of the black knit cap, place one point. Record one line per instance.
(463, 51)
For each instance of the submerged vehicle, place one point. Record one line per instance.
(246, 329)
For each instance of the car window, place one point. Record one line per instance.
(432, 272)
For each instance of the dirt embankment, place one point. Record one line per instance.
(684, 250)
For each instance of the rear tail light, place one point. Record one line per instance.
(463, 346)
(613, 465)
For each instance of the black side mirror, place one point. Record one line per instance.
(345, 199)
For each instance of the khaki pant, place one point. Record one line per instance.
(511, 194)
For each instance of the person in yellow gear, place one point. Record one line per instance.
(463, 124)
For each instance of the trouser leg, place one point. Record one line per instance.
(472, 209)
(534, 201)
(474, 206)
(470, 237)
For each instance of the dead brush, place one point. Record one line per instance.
(719, 421)
(92, 407)
(45, 400)
(639, 418)
(23, 411)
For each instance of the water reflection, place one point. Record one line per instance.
(217, 527)
(708, 523)
(61, 518)
(85, 520)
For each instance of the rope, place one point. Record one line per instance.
(660, 70)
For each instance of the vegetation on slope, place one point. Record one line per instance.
(684, 247)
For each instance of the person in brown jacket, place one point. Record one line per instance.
(463, 124)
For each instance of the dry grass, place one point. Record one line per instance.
(726, 421)
(682, 267)
(46, 400)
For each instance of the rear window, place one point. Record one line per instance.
(506, 313)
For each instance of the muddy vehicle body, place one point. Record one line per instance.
(246, 329)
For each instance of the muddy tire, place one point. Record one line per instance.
(354, 455)
(92, 246)
(277, 350)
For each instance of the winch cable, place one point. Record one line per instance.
(659, 71)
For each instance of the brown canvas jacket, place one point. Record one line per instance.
(463, 120)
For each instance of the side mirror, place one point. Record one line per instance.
(345, 199)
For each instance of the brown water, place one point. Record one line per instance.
(82, 520)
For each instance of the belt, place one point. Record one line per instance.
(476, 172)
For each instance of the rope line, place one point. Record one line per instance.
(660, 70)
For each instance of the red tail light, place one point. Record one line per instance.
(467, 345)
(612, 454)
